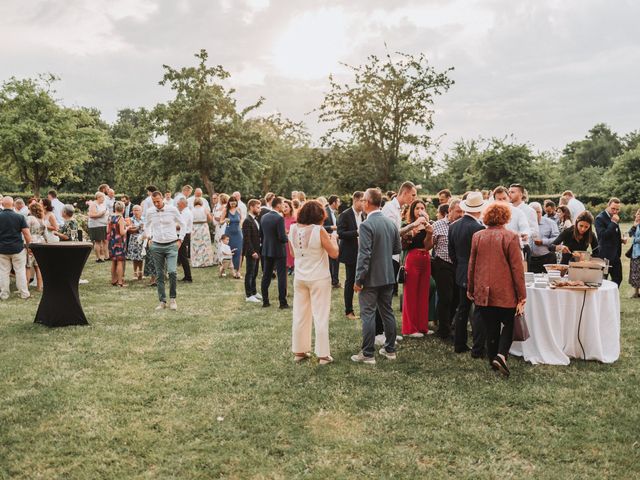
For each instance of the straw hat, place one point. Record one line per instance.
(473, 203)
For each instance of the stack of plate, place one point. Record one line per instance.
(553, 275)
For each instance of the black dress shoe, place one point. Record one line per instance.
(499, 364)
(463, 349)
(477, 354)
(189, 280)
(284, 307)
(265, 305)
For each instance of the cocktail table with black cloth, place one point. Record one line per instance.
(61, 264)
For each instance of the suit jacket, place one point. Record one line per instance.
(379, 241)
(460, 234)
(250, 237)
(263, 211)
(348, 236)
(128, 211)
(609, 237)
(273, 235)
(328, 223)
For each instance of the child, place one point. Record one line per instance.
(225, 254)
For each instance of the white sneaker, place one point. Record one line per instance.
(380, 339)
(416, 335)
(172, 304)
(161, 306)
(398, 338)
(389, 355)
(431, 332)
(258, 296)
(252, 299)
(82, 281)
(360, 358)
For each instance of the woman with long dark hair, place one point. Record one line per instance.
(578, 237)
(415, 295)
(233, 218)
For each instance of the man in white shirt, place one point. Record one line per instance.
(110, 200)
(241, 205)
(148, 203)
(20, 207)
(198, 194)
(575, 206)
(518, 222)
(184, 193)
(57, 206)
(184, 252)
(161, 226)
(516, 194)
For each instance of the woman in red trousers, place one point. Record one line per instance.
(415, 295)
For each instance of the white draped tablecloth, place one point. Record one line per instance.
(553, 318)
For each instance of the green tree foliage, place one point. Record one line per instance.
(202, 124)
(503, 162)
(387, 111)
(623, 179)
(597, 149)
(40, 140)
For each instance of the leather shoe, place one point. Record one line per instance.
(284, 307)
(463, 349)
(265, 305)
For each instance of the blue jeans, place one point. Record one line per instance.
(165, 253)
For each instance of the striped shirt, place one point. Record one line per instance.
(441, 240)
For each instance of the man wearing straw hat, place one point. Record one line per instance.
(460, 234)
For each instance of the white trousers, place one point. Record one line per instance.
(311, 305)
(19, 263)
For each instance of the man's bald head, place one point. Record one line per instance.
(7, 203)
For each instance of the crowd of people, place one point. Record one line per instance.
(469, 262)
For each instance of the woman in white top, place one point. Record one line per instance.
(98, 218)
(201, 251)
(50, 221)
(37, 228)
(311, 246)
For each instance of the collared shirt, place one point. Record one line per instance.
(243, 208)
(57, 206)
(441, 239)
(358, 216)
(393, 211)
(147, 204)
(532, 218)
(187, 218)
(548, 232)
(519, 223)
(161, 225)
(476, 219)
(576, 207)
(109, 202)
(255, 220)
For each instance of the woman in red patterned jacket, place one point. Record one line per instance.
(496, 282)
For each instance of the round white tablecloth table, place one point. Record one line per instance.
(553, 318)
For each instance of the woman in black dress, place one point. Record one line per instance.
(579, 237)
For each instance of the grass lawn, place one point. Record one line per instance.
(211, 391)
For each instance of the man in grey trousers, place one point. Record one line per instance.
(375, 277)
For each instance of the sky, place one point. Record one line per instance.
(543, 70)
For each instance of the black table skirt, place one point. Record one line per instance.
(61, 265)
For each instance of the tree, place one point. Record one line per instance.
(622, 178)
(387, 109)
(201, 123)
(40, 140)
(503, 162)
(598, 149)
(456, 166)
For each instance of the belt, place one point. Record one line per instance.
(199, 223)
(167, 243)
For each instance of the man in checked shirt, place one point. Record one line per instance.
(444, 272)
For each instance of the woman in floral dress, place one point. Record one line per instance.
(201, 251)
(116, 240)
(134, 246)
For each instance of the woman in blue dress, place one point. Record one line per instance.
(234, 219)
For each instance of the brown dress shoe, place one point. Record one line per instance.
(352, 316)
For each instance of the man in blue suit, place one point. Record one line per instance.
(610, 239)
(274, 252)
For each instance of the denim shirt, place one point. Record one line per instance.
(634, 233)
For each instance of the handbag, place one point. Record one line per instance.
(520, 329)
(402, 275)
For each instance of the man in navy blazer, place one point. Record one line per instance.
(610, 239)
(460, 234)
(274, 252)
(348, 223)
(331, 226)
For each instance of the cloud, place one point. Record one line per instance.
(546, 70)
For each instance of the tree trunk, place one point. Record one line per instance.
(207, 183)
